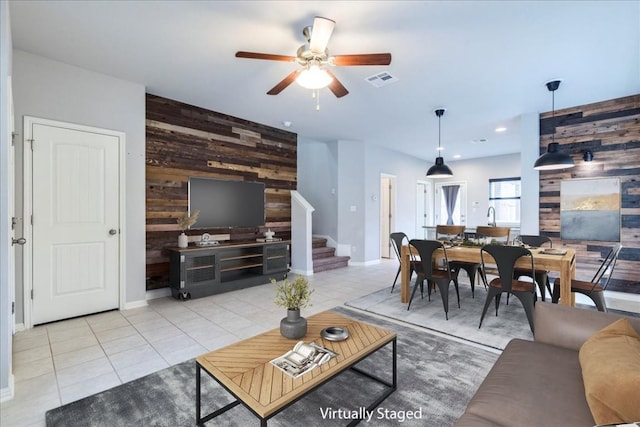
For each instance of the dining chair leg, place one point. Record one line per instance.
(527, 299)
(598, 299)
(413, 292)
(490, 296)
(396, 279)
(444, 294)
(498, 301)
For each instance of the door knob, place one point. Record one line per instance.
(113, 232)
(19, 241)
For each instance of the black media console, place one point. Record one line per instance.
(199, 271)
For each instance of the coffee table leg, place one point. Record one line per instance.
(198, 395)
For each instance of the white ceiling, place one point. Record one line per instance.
(485, 61)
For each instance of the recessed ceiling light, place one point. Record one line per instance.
(286, 124)
(457, 156)
(501, 129)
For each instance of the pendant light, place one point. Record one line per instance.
(439, 169)
(553, 158)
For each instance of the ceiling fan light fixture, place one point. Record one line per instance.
(314, 77)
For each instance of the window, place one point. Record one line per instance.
(504, 196)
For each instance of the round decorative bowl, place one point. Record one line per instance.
(334, 333)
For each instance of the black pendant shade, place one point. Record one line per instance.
(553, 158)
(439, 170)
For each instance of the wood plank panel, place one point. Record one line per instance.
(611, 130)
(184, 140)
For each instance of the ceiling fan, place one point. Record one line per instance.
(314, 59)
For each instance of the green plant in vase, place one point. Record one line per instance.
(293, 295)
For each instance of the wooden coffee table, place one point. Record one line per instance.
(245, 371)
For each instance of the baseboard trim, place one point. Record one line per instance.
(8, 392)
(158, 293)
(135, 304)
(302, 272)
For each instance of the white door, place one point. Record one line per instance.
(423, 209)
(12, 211)
(387, 214)
(75, 217)
(459, 214)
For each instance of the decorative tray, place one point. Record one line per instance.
(551, 251)
(334, 333)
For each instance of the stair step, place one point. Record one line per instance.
(324, 252)
(318, 242)
(331, 263)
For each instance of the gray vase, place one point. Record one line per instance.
(293, 326)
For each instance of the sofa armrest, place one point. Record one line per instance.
(570, 327)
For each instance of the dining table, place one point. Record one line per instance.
(561, 261)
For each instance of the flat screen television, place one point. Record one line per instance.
(225, 204)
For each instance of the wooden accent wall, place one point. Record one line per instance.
(611, 130)
(184, 140)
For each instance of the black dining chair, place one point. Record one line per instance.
(450, 232)
(541, 276)
(397, 240)
(596, 287)
(426, 270)
(505, 258)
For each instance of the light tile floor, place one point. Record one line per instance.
(58, 363)
(61, 362)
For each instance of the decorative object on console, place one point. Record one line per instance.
(553, 158)
(185, 221)
(439, 169)
(269, 234)
(293, 296)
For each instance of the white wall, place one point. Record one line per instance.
(54, 90)
(354, 170)
(6, 386)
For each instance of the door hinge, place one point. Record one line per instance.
(31, 293)
(32, 141)
(13, 307)
(13, 137)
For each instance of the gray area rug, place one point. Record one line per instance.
(496, 332)
(436, 379)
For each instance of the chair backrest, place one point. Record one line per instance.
(499, 232)
(449, 231)
(604, 273)
(535, 241)
(505, 258)
(425, 249)
(397, 240)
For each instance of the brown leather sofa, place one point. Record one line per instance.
(539, 383)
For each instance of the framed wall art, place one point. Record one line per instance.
(590, 209)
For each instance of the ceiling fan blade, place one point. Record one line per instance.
(320, 34)
(336, 87)
(364, 59)
(268, 56)
(284, 83)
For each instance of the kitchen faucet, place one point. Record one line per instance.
(492, 218)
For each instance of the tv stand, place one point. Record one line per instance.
(199, 271)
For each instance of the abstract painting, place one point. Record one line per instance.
(590, 209)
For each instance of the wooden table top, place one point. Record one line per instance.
(245, 368)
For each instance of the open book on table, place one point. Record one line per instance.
(303, 358)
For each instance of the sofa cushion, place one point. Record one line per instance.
(531, 384)
(610, 361)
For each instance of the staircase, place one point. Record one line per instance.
(324, 257)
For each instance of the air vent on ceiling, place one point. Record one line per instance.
(381, 79)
